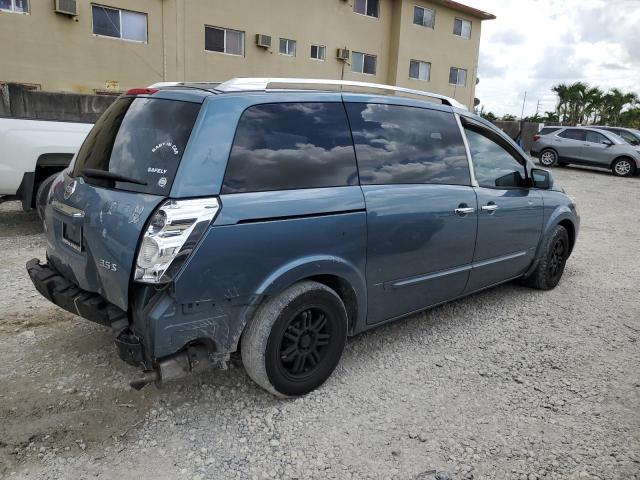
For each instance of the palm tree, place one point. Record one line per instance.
(615, 102)
(562, 90)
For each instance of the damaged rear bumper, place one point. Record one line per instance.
(90, 306)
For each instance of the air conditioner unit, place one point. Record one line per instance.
(263, 41)
(343, 54)
(66, 7)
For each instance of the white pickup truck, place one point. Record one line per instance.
(32, 151)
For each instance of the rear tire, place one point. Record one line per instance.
(548, 157)
(551, 266)
(623, 167)
(295, 340)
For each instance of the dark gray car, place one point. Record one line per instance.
(197, 221)
(587, 146)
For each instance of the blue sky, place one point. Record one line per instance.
(535, 44)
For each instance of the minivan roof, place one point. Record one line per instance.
(263, 84)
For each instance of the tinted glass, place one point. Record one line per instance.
(214, 39)
(573, 134)
(494, 166)
(628, 137)
(369, 65)
(548, 130)
(595, 137)
(139, 138)
(397, 144)
(372, 8)
(106, 21)
(284, 146)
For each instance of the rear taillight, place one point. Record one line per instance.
(172, 232)
(536, 138)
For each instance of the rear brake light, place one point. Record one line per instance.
(142, 91)
(171, 235)
(536, 138)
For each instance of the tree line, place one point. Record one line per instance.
(580, 104)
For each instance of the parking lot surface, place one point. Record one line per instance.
(508, 383)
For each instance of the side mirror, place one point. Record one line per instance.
(608, 143)
(541, 178)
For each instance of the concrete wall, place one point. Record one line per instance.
(61, 53)
(17, 102)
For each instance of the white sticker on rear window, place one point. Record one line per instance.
(171, 145)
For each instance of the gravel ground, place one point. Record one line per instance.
(511, 383)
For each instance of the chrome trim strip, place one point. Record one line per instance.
(423, 278)
(67, 210)
(511, 256)
(472, 173)
(262, 84)
(406, 282)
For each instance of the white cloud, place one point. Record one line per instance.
(535, 44)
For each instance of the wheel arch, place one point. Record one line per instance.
(338, 274)
(621, 157)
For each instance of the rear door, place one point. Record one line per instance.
(123, 170)
(421, 209)
(509, 214)
(569, 144)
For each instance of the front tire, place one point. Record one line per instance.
(295, 340)
(551, 266)
(548, 158)
(623, 167)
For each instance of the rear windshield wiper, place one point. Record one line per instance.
(103, 174)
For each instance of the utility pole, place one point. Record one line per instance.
(523, 102)
(538, 107)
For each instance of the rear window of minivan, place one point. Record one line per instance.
(400, 144)
(284, 146)
(138, 138)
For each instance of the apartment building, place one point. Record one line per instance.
(112, 45)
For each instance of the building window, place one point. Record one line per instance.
(15, 6)
(425, 17)
(367, 7)
(419, 70)
(318, 52)
(223, 40)
(116, 23)
(458, 76)
(462, 28)
(288, 47)
(363, 63)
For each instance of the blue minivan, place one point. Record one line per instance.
(277, 217)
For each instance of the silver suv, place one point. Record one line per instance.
(587, 146)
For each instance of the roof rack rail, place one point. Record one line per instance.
(262, 84)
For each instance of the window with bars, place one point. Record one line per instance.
(224, 40)
(117, 23)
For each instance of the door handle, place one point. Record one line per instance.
(462, 211)
(490, 208)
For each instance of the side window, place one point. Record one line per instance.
(494, 166)
(397, 144)
(282, 146)
(595, 137)
(573, 135)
